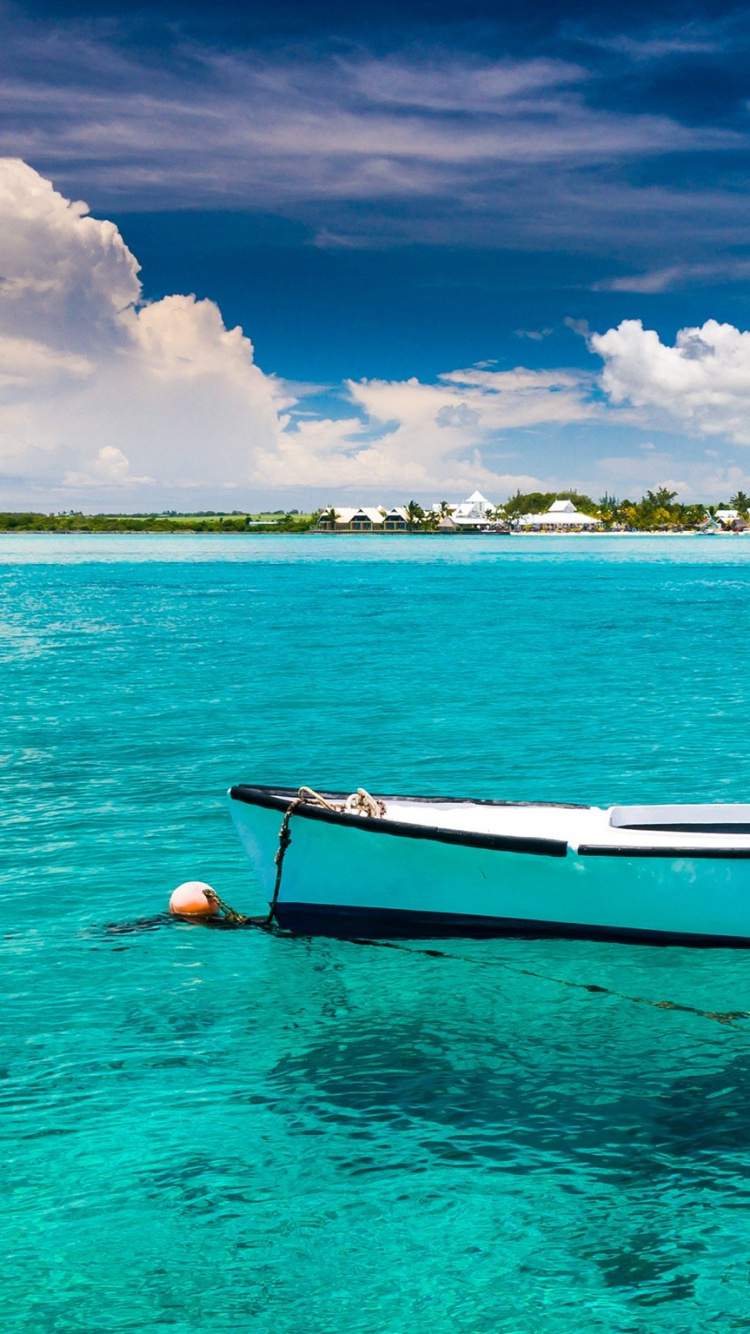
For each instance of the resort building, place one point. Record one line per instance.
(396, 520)
(727, 518)
(475, 512)
(352, 520)
(730, 521)
(727, 521)
(562, 516)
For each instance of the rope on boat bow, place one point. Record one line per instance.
(362, 803)
(358, 803)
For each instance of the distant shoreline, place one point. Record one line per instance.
(185, 531)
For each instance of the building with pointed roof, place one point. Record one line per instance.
(473, 513)
(362, 520)
(561, 516)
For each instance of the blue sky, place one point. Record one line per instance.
(392, 194)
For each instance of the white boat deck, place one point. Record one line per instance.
(662, 873)
(589, 826)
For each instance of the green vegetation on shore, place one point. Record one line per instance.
(205, 522)
(657, 511)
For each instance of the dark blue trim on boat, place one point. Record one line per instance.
(738, 827)
(355, 923)
(286, 794)
(682, 854)
(269, 799)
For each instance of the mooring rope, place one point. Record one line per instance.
(718, 1016)
(363, 804)
(231, 917)
(235, 919)
(358, 803)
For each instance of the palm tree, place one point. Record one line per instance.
(661, 498)
(414, 514)
(741, 502)
(437, 514)
(330, 516)
(609, 509)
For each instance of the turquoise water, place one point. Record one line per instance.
(208, 1131)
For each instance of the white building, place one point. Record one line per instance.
(562, 515)
(354, 520)
(474, 512)
(396, 520)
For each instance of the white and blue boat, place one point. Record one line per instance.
(428, 866)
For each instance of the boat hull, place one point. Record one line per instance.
(350, 877)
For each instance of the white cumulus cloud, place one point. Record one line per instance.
(409, 436)
(110, 466)
(125, 403)
(702, 381)
(98, 389)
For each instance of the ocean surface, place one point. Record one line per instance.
(205, 1131)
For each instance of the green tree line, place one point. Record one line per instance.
(31, 522)
(657, 510)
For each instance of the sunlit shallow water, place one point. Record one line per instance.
(210, 1131)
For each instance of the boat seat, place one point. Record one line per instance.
(729, 819)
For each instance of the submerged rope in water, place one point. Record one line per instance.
(361, 803)
(235, 919)
(720, 1017)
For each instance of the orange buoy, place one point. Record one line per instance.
(190, 900)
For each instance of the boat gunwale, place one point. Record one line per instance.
(719, 854)
(278, 799)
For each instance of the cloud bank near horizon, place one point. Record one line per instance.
(159, 402)
(113, 402)
(99, 390)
